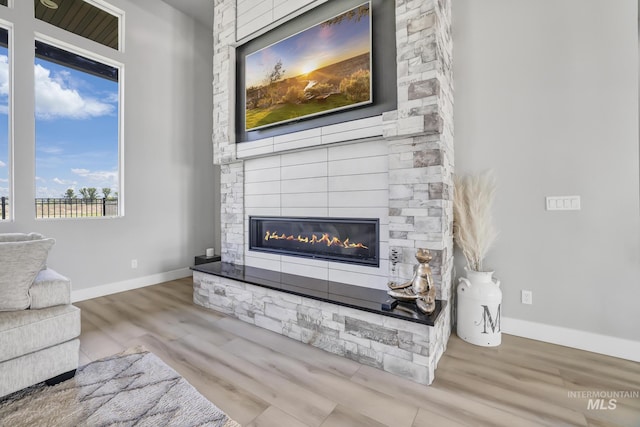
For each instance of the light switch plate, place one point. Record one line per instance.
(563, 203)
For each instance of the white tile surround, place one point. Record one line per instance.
(396, 167)
(333, 181)
(355, 130)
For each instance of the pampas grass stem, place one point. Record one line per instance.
(473, 229)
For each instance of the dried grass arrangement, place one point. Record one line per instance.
(473, 229)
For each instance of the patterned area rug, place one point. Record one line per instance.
(131, 388)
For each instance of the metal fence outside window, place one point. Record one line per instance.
(75, 208)
(67, 208)
(4, 209)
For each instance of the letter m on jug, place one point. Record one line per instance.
(488, 320)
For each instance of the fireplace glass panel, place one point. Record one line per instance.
(347, 240)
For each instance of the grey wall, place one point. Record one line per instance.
(546, 94)
(169, 178)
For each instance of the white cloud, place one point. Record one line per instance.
(50, 150)
(4, 84)
(39, 178)
(100, 178)
(64, 181)
(112, 97)
(44, 192)
(2, 164)
(56, 98)
(4, 180)
(4, 75)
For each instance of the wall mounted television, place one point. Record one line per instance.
(333, 64)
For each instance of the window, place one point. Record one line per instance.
(5, 147)
(77, 134)
(77, 108)
(80, 17)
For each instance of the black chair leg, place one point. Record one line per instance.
(60, 378)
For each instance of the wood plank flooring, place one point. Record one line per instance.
(263, 379)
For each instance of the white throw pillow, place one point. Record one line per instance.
(20, 263)
(20, 237)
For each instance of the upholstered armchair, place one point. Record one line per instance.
(39, 328)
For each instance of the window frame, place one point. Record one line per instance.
(118, 13)
(8, 26)
(74, 49)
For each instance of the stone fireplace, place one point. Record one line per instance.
(395, 168)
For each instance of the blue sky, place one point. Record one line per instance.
(4, 119)
(310, 49)
(76, 130)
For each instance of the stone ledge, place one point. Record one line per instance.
(400, 347)
(365, 300)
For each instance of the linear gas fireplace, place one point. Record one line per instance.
(350, 240)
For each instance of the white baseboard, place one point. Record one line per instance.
(127, 285)
(596, 343)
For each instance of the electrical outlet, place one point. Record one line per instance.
(527, 297)
(563, 203)
(134, 263)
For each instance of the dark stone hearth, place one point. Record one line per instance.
(357, 297)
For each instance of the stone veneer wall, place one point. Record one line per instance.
(397, 346)
(419, 135)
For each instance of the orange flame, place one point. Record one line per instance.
(329, 241)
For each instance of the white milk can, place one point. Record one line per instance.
(479, 299)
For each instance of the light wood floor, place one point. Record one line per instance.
(262, 379)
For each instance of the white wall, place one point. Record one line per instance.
(169, 182)
(547, 96)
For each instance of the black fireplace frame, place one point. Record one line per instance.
(255, 235)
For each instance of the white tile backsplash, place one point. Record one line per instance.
(304, 200)
(341, 212)
(304, 157)
(358, 150)
(366, 165)
(268, 162)
(310, 212)
(262, 201)
(311, 170)
(363, 199)
(371, 181)
(347, 181)
(262, 211)
(296, 136)
(374, 123)
(252, 261)
(305, 270)
(261, 175)
(283, 8)
(258, 188)
(296, 144)
(305, 185)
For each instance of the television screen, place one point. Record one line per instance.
(319, 70)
